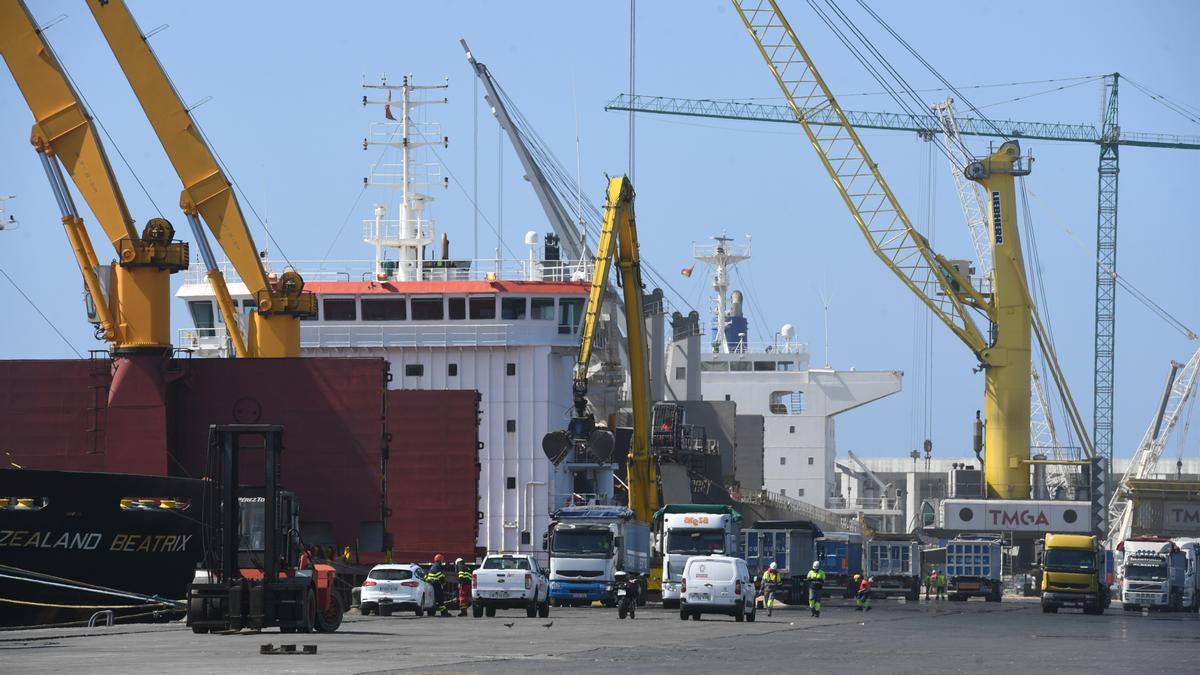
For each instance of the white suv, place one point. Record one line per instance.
(716, 584)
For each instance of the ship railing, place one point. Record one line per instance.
(481, 269)
(377, 335)
(824, 517)
(204, 342)
(865, 503)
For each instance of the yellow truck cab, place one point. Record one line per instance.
(1073, 574)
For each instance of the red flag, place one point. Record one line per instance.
(687, 271)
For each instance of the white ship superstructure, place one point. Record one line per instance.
(798, 402)
(508, 329)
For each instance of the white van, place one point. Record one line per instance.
(716, 584)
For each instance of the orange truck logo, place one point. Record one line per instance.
(695, 520)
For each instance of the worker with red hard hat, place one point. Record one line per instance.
(437, 578)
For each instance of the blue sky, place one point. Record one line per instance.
(285, 117)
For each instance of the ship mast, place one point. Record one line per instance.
(722, 256)
(411, 232)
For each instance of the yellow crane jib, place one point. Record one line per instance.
(134, 314)
(208, 194)
(1004, 354)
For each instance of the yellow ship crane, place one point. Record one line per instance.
(134, 314)
(618, 234)
(274, 329)
(939, 283)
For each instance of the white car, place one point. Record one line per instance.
(399, 587)
(716, 584)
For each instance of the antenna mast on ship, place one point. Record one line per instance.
(722, 256)
(411, 232)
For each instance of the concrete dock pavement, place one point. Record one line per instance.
(895, 637)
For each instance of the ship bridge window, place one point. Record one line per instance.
(786, 403)
(541, 309)
(23, 503)
(570, 311)
(513, 309)
(202, 317)
(339, 309)
(786, 365)
(384, 309)
(714, 366)
(483, 308)
(762, 366)
(457, 308)
(739, 366)
(427, 309)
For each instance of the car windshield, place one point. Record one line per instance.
(506, 564)
(582, 541)
(1150, 572)
(1067, 560)
(391, 574)
(695, 542)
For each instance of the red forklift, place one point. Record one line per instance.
(253, 574)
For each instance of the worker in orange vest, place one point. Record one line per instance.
(863, 598)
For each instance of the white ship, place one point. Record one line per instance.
(776, 380)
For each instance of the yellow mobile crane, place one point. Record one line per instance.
(274, 329)
(134, 315)
(941, 284)
(618, 234)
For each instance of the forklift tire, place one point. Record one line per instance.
(489, 611)
(477, 611)
(330, 619)
(310, 612)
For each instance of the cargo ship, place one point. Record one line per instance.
(76, 543)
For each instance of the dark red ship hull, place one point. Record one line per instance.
(373, 468)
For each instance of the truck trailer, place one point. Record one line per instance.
(791, 545)
(973, 568)
(588, 545)
(841, 557)
(894, 561)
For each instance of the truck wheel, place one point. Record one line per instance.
(544, 609)
(531, 610)
(1049, 609)
(489, 611)
(739, 612)
(477, 610)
